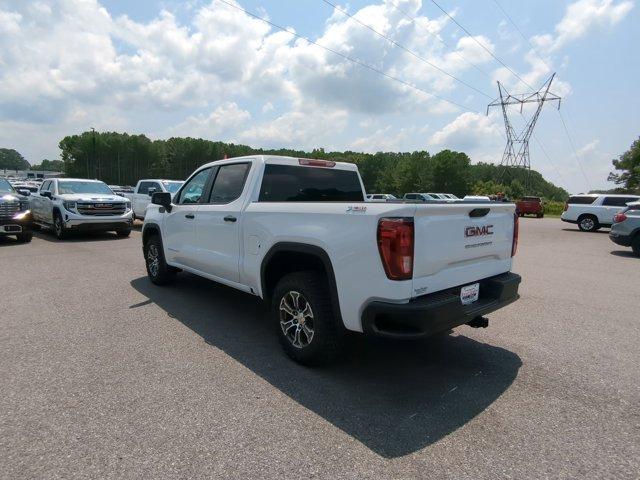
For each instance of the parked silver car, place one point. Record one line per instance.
(625, 230)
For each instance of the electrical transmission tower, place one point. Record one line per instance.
(516, 153)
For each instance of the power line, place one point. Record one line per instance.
(575, 152)
(521, 34)
(402, 47)
(481, 44)
(437, 37)
(350, 59)
(553, 165)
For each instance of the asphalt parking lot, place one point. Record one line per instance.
(105, 375)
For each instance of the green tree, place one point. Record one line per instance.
(49, 165)
(12, 160)
(451, 172)
(121, 158)
(628, 164)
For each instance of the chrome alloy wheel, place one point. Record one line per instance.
(153, 260)
(296, 319)
(587, 223)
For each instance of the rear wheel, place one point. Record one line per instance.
(123, 233)
(24, 237)
(157, 269)
(635, 245)
(58, 226)
(307, 328)
(588, 223)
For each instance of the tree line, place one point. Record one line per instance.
(123, 159)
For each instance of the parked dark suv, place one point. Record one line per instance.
(15, 216)
(625, 230)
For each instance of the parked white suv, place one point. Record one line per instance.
(298, 233)
(72, 204)
(594, 211)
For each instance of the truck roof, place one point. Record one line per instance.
(593, 195)
(77, 179)
(158, 180)
(284, 160)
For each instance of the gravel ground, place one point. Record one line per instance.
(107, 376)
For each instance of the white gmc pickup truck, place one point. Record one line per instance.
(299, 234)
(141, 196)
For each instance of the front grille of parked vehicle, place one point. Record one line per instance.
(101, 208)
(9, 209)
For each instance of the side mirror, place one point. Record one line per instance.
(163, 199)
(24, 191)
(152, 191)
(46, 193)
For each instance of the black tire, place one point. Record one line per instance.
(24, 237)
(159, 273)
(635, 245)
(588, 223)
(123, 233)
(540, 215)
(58, 226)
(328, 335)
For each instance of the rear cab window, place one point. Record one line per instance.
(289, 183)
(581, 200)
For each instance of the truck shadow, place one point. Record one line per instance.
(394, 397)
(72, 237)
(623, 253)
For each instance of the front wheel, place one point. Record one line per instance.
(157, 269)
(307, 327)
(123, 233)
(635, 245)
(58, 226)
(24, 237)
(588, 224)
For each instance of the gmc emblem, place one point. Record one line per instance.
(478, 231)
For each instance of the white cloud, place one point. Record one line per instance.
(467, 131)
(224, 120)
(580, 17)
(302, 129)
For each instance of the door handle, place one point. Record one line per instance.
(230, 218)
(190, 216)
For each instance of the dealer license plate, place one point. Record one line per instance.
(469, 293)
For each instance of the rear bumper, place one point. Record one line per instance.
(440, 311)
(623, 240)
(568, 221)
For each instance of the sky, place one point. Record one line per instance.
(367, 75)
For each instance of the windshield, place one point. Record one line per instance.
(79, 186)
(5, 187)
(172, 187)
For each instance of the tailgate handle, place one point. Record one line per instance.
(479, 212)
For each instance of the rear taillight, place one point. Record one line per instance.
(395, 243)
(619, 217)
(566, 206)
(516, 233)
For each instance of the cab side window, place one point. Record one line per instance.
(192, 190)
(144, 187)
(229, 183)
(45, 186)
(616, 201)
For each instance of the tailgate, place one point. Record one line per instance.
(458, 244)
